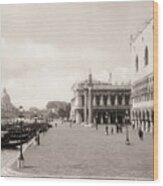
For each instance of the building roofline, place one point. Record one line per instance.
(134, 38)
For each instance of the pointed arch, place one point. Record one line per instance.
(146, 56)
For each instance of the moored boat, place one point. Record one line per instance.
(12, 136)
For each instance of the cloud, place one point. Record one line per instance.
(47, 47)
(36, 73)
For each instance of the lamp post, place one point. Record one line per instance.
(127, 120)
(96, 117)
(21, 121)
(37, 134)
(116, 121)
(106, 121)
(106, 117)
(35, 117)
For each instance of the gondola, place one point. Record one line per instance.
(12, 143)
(12, 135)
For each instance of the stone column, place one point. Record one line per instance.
(109, 119)
(139, 121)
(101, 119)
(146, 123)
(108, 100)
(77, 99)
(94, 119)
(116, 99)
(101, 100)
(142, 123)
(133, 119)
(151, 127)
(123, 99)
(78, 117)
(89, 105)
(123, 120)
(151, 123)
(85, 106)
(116, 118)
(136, 121)
(94, 100)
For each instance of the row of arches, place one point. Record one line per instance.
(106, 100)
(102, 116)
(143, 119)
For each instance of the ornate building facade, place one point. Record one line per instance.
(97, 102)
(143, 78)
(8, 110)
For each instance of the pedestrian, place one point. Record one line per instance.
(37, 138)
(112, 131)
(140, 134)
(133, 126)
(120, 128)
(35, 141)
(117, 128)
(106, 130)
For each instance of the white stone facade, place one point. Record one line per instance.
(96, 102)
(143, 78)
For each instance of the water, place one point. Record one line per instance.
(9, 156)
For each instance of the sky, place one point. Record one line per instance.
(46, 48)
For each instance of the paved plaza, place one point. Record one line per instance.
(83, 152)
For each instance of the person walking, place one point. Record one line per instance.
(106, 130)
(37, 138)
(96, 126)
(140, 134)
(112, 130)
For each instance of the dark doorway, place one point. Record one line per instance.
(120, 119)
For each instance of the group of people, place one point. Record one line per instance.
(56, 124)
(119, 130)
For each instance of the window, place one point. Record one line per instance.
(137, 64)
(98, 100)
(82, 100)
(146, 56)
(105, 99)
(120, 100)
(127, 99)
(112, 100)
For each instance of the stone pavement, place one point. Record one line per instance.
(82, 152)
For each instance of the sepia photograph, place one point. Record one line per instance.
(77, 90)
